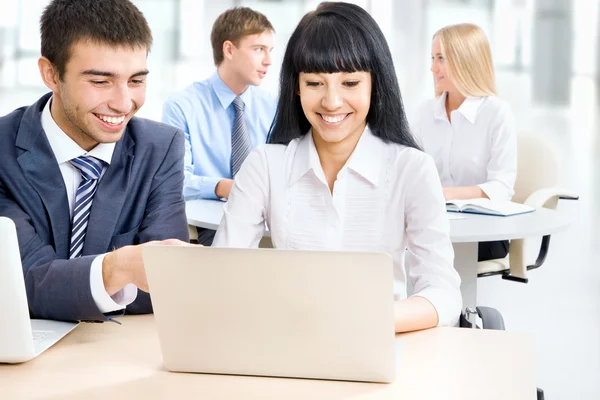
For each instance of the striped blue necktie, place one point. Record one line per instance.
(91, 170)
(241, 145)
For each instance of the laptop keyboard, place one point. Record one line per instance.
(38, 336)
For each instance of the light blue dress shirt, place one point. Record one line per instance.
(205, 112)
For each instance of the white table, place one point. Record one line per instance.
(465, 234)
(110, 361)
(204, 213)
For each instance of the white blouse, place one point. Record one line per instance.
(478, 147)
(387, 198)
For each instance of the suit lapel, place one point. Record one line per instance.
(109, 198)
(41, 170)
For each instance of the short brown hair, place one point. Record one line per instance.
(233, 25)
(111, 22)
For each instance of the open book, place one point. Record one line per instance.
(487, 207)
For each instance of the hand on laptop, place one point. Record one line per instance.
(125, 265)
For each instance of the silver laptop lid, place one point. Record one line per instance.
(310, 314)
(16, 342)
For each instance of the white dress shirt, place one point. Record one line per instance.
(65, 149)
(478, 147)
(387, 198)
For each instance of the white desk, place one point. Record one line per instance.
(465, 234)
(204, 213)
(108, 361)
(468, 232)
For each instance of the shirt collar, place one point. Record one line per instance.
(365, 160)
(468, 108)
(439, 108)
(64, 148)
(306, 159)
(225, 95)
(367, 156)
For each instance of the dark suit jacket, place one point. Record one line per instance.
(139, 199)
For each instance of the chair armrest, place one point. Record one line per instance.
(193, 233)
(518, 266)
(549, 197)
(516, 262)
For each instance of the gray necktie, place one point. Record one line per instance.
(241, 145)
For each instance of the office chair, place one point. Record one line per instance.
(537, 177)
(193, 231)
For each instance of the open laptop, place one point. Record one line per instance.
(285, 313)
(21, 338)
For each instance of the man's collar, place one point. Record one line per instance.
(225, 95)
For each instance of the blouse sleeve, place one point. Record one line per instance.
(502, 167)
(243, 223)
(430, 256)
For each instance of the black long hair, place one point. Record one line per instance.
(340, 37)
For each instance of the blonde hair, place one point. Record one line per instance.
(468, 59)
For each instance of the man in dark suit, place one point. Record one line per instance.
(84, 181)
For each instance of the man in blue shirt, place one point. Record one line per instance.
(225, 116)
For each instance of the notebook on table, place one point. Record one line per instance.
(488, 207)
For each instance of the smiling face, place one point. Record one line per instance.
(100, 91)
(441, 80)
(336, 104)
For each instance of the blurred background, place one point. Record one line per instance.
(547, 60)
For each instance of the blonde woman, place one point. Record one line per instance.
(467, 129)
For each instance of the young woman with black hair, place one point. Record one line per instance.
(342, 170)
